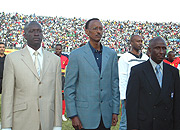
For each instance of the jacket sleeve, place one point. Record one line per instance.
(176, 103)
(132, 100)
(70, 85)
(58, 97)
(8, 85)
(115, 85)
(123, 77)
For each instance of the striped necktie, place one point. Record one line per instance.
(36, 62)
(159, 75)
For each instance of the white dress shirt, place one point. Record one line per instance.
(40, 56)
(154, 64)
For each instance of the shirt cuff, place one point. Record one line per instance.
(6, 129)
(116, 113)
(57, 128)
(72, 116)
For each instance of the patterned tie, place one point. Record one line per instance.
(159, 75)
(36, 63)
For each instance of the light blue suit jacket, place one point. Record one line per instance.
(89, 93)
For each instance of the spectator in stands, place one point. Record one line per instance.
(2, 58)
(64, 62)
(69, 32)
(171, 59)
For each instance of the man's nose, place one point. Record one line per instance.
(36, 33)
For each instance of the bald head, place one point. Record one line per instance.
(157, 49)
(155, 40)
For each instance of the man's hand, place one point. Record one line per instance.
(76, 123)
(114, 119)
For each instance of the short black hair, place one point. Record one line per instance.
(132, 37)
(27, 25)
(59, 45)
(2, 43)
(87, 23)
(170, 52)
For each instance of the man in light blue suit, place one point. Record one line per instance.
(91, 84)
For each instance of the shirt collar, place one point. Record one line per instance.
(31, 51)
(154, 64)
(137, 56)
(94, 50)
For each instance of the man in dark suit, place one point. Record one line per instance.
(2, 58)
(153, 94)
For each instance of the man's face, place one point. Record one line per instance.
(58, 50)
(158, 50)
(34, 35)
(95, 30)
(2, 48)
(171, 57)
(137, 43)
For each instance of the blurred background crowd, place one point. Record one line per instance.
(70, 32)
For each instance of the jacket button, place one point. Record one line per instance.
(39, 96)
(149, 93)
(101, 78)
(154, 107)
(154, 118)
(38, 109)
(40, 82)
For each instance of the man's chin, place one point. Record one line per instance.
(98, 40)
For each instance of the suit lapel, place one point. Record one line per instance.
(105, 57)
(150, 74)
(89, 56)
(46, 62)
(27, 59)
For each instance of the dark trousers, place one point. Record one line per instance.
(100, 127)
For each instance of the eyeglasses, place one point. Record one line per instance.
(97, 28)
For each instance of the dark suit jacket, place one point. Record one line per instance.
(150, 107)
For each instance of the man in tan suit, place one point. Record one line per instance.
(31, 94)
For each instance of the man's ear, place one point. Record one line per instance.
(25, 36)
(149, 49)
(87, 31)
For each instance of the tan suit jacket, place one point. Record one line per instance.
(28, 100)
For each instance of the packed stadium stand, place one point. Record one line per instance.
(70, 32)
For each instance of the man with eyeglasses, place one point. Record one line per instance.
(91, 87)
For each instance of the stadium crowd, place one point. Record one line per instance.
(70, 32)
